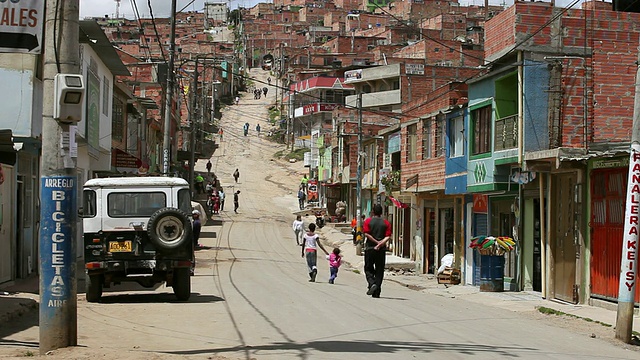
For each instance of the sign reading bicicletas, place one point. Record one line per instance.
(21, 24)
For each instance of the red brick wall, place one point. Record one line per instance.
(611, 37)
(430, 171)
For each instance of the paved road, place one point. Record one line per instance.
(252, 299)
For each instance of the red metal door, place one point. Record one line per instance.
(608, 192)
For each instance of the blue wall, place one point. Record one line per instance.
(456, 184)
(536, 106)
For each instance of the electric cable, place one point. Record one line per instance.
(155, 29)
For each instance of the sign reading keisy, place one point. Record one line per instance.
(21, 23)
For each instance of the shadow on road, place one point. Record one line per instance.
(25, 321)
(371, 347)
(195, 298)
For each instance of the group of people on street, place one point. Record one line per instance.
(309, 246)
(215, 201)
(257, 93)
(376, 231)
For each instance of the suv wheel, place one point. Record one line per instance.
(93, 288)
(182, 283)
(169, 228)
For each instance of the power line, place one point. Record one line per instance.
(155, 29)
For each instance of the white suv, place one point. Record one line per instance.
(137, 229)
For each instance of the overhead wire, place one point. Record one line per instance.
(155, 29)
(490, 64)
(136, 14)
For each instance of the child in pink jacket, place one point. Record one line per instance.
(334, 263)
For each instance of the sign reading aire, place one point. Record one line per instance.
(21, 23)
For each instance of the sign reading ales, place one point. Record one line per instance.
(21, 26)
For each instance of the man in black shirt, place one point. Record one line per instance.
(235, 201)
(377, 232)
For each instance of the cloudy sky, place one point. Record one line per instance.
(162, 8)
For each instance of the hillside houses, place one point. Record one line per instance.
(506, 121)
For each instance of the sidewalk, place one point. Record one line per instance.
(523, 301)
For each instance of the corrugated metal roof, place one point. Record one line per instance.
(91, 33)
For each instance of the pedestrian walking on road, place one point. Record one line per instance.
(304, 182)
(209, 166)
(377, 232)
(221, 195)
(265, 90)
(235, 201)
(258, 129)
(335, 260)
(269, 80)
(237, 99)
(199, 184)
(301, 197)
(236, 175)
(310, 244)
(221, 133)
(197, 227)
(298, 228)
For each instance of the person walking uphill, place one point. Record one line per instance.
(298, 228)
(334, 263)
(235, 201)
(377, 232)
(310, 242)
(236, 175)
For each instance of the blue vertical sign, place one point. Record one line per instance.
(58, 286)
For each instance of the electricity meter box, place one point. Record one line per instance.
(69, 90)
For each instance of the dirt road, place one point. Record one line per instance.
(252, 299)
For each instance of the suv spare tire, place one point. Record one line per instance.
(169, 228)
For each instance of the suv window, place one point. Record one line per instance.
(129, 204)
(89, 203)
(184, 200)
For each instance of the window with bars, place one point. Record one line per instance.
(105, 95)
(481, 120)
(439, 135)
(411, 142)
(456, 137)
(506, 136)
(117, 124)
(426, 139)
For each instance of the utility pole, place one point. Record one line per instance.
(166, 144)
(58, 311)
(359, 169)
(293, 117)
(628, 264)
(192, 135)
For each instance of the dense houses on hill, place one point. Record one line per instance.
(467, 121)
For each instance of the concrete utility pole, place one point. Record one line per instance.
(293, 117)
(628, 264)
(192, 135)
(359, 169)
(166, 143)
(58, 187)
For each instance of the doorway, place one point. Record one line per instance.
(430, 244)
(7, 200)
(565, 237)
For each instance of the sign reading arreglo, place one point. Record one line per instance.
(56, 240)
(626, 288)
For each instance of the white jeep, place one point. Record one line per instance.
(137, 229)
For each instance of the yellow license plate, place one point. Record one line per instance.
(120, 246)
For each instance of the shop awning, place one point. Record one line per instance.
(7, 151)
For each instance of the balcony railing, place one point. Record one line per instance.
(506, 136)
